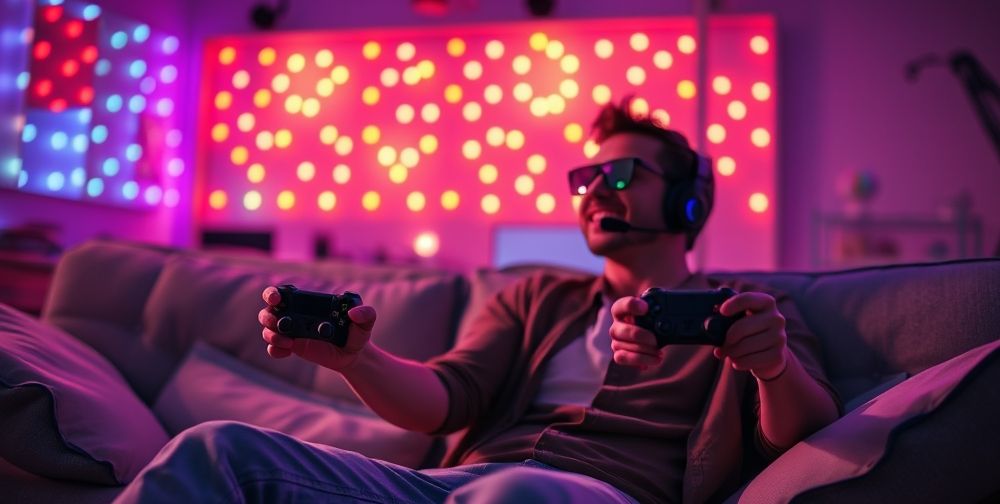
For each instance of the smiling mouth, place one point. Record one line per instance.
(597, 216)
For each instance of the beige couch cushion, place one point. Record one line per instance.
(199, 298)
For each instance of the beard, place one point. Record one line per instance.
(611, 244)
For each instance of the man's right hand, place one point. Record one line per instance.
(320, 352)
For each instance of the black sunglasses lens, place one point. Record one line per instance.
(617, 174)
(580, 179)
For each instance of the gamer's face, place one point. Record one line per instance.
(640, 203)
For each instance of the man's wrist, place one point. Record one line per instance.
(769, 375)
(362, 360)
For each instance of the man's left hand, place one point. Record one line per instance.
(757, 342)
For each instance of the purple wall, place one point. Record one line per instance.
(843, 102)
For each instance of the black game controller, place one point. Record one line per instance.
(686, 317)
(314, 315)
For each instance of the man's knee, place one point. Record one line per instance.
(516, 485)
(218, 438)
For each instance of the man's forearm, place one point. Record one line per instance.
(793, 405)
(403, 392)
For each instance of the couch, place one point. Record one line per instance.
(137, 342)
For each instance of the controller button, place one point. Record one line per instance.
(325, 330)
(285, 325)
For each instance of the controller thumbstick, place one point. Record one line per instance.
(715, 326)
(324, 330)
(285, 325)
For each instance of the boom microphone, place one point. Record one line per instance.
(616, 225)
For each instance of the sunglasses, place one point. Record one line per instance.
(617, 174)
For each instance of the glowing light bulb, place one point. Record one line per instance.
(267, 56)
(635, 75)
(456, 47)
(495, 136)
(494, 49)
(453, 93)
(569, 88)
(760, 91)
(759, 44)
(545, 203)
(737, 110)
(252, 200)
(217, 199)
(524, 185)
(449, 200)
(386, 155)
(426, 244)
(296, 63)
(430, 113)
(639, 42)
(686, 44)
(241, 79)
(226, 55)
(371, 50)
(262, 98)
(716, 133)
(255, 173)
(245, 122)
(726, 166)
(760, 137)
(220, 132)
(490, 204)
(326, 201)
(493, 94)
(686, 89)
(536, 164)
(306, 171)
(538, 41)
(370, 95)
(280, 83)
(286, 200)
(554, 49)
(601, 94)
(758, 202)
(341, 174)
(323, 58)
(523, 91)
(398, 173)
(344, 145)
(472, 111)
(573, 132)
(405, 114)
(406, 51)
(340, 75)
(521, 64)
(239, 155)
(416, 201)
(371, 134)
(603, 48)
(471, 149)
(488, 174)
(722, 85)
(428, 144)
(662, 117)
(410, 157)
(515, 139)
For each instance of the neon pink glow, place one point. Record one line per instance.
(384, 135)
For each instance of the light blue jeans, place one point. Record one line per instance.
(235, 462)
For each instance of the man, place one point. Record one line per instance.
(564, 398)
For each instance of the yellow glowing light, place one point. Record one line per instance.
(252, 200)
(370, 95)
(521, 64)
(405, 114)
(456, 47)
(326, 201)
(726, 166)
(601, 94)
(758, 202)
(495, 136)
(406, 51)
(344, 145)
(635, 75)
(341, 174)
(575, 201)
(453, 93)
(371, 201)
(371, 134)
(539, 106)
(722, 85)
(573, 132)
(245, 122)
(555, 49)
(409, 156)
(282, 138)
(239, 155)
(430, 113)
(686, 89)
(217, 199)
(340, 74)
(310, 107)
(286, 200)
(411, 76)
(220, 132)
(488, 174)
(223, 100)
(490, 204)
(416, 201)
(536, 164)
(662, 117)
(493, 94)
(639, 42)
(324, 87)
(522, 91)
(515, 139)
(472, 149)
(686, 44)
(759, 44)
(545, 203)
(590, 149)
(328, 134)
(760, 137)
(472, 70)
(538, 41)
(570, 64)
(267, 56)
(639, 108)
(306, 171)
(386, 155)
(426, 69)
(604, 48)
(472, 111)
(227, 55)
(280, 83)
(569, 88)
(760, 91)
(389, 77)
(716, 133)
(663, 60)
(262, 98)
(426, 244)
(296, 63)
(524, 184)
(449, 200)
(241, 79)
(557, 104)
(371, 50)
(323, 58)
(428, 144)
(265, 140)
(737, 110)
(255, 173)
(293, 104)
(398, 173)
(494, 49)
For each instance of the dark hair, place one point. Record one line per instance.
(676, 157)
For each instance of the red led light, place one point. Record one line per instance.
(86, 95)
(43, 88)
(74, 28)
(57, 105)
(52, 13)
(89, 54)
(42, 50)
(70, 68)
